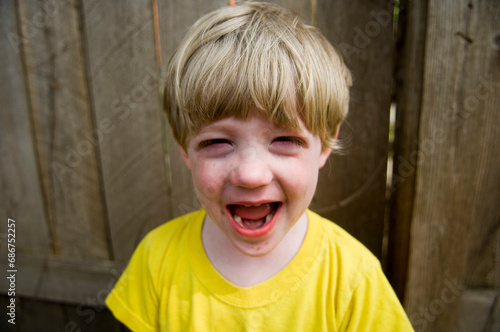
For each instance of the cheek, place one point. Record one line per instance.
(208, 182)
(210, 189)
(301, 179)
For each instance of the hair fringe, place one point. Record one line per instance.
(256, 57)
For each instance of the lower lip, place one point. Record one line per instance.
(254, 232)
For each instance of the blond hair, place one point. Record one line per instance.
(256, 56)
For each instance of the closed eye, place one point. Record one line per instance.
(290, 140)
(213, 142)
(287, 145)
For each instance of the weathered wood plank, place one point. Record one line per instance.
(124, 89)
(20, 187)
(175, 18)
(62, 119)
(351, 189)
(409, 81)
(63, 280)
(455, 226)
(305, 8)
(479, 108)
(479, 311)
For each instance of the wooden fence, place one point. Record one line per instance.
(89, 165)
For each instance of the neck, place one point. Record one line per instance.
(243, 270)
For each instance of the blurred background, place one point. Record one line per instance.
(89, 166)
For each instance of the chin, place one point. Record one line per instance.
(255, 250)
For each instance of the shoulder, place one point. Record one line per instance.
(169, 237)
(135, 298)
(361, 288)
(341, 243)
(346, 260)
(162, 249)
(173, 227)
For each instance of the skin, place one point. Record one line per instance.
(248, 162)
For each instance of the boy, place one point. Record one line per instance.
(255, 99)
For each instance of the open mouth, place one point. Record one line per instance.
(253, 217)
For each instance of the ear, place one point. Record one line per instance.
(185, 156)
(326, 152)
(323, 157)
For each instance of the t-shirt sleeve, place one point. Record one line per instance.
(134, 299)
(375, 307)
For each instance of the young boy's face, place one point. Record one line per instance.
(254, 179)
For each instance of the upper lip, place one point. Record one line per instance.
(253, 203)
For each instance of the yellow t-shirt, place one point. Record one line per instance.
(333, 284)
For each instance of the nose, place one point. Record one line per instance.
(251, 170)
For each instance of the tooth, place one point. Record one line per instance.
(237, 218)
(269, 217)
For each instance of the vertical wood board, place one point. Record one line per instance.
(124, 90)
(175, 19)
(410, 47)
(59, 101)
(454, 233)
(20, 186)
(351, 190)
